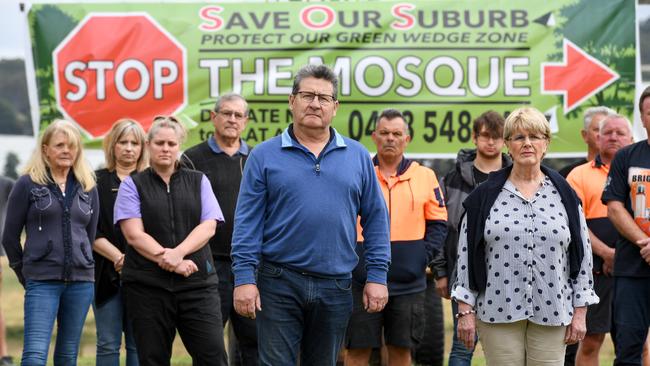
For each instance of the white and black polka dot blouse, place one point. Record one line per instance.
(527, 264)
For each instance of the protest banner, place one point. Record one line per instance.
(440, 62)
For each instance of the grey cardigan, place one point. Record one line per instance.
(60, 231)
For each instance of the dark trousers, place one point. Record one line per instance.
(244, 328)
(157, 313)
(631, 310)
(570, 354)
(431, 350)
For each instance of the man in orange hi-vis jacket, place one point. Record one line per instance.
(417, 230)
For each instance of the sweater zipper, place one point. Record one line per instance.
(390, 202)
(171, 212)
(317, 166)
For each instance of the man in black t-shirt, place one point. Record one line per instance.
(625, 192)
(221, 158)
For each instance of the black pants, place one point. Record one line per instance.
(631, 318)
(244, 328)
(431, 350)
(157, 314)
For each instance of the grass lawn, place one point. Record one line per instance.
(12, 306)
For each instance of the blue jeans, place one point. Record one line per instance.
(459, 355)
(631, 318)
(301, 314)
(45, 301)
(111, 321)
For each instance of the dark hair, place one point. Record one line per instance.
(227, 98)
(493, 122)
(318, 72)
(390, 113)
(645, 94)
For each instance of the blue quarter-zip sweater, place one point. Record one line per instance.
(300, 211)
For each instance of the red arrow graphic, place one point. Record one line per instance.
(577, 78)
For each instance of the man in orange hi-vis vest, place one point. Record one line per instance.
(418, 229)
(588, 180)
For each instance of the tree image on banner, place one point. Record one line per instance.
(616, 51)
(44, 45)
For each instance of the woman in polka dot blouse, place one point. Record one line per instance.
(524, 276)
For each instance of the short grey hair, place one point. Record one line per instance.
(318, 72)
(227, 98)
(603, 122)
(592, 111)
(390, 114)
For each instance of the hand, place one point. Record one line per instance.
(607, 270)
(118, 263)
(441, 287)
(186, 268)
(576, 331)
(608, 262)
(645, 250)
(170, 258)
(246, 299)
(375, 297)
(466, 331)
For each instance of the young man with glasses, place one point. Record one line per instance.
(221, 158)
(293, 247)
(472, 168)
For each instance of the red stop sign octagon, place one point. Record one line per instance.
(114, 66)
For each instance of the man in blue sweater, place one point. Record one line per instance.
(293, 246)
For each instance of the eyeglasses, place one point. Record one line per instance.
(486, 136)
(323, 99)
(236, 115)
(520, 139)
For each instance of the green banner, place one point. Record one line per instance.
(442, 63)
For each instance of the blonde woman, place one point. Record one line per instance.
(167, 214)
(524, 275)
(56, 203)
(124, 152)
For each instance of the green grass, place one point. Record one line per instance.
(12, 306)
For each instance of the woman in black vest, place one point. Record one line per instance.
(168, 214)
(123, 150)
(524, 260)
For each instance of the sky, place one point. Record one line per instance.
(12, 27)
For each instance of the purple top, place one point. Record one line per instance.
(127, 204)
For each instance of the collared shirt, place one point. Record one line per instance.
(588, 180)
(243, 148)
(526, 256)
(299, 210)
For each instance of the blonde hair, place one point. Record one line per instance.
(167, 122)
(37, 166)
(526, 119)
(119, 129)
